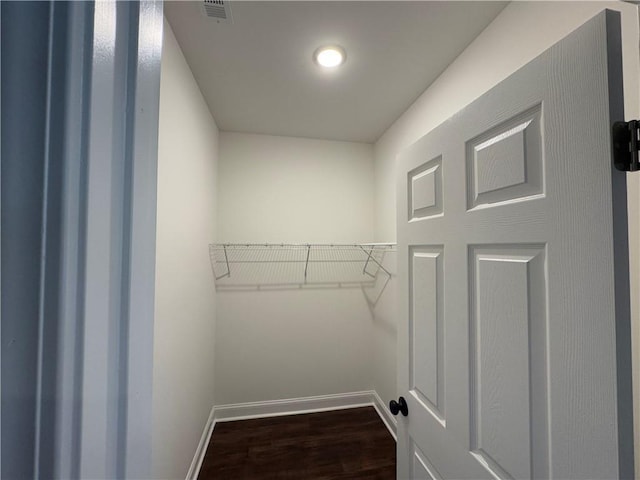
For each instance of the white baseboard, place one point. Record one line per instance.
(289, 406)
(292, 406)
(385, 414)
(322, 403)
(198, 458)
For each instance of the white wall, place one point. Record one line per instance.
(285, 189)
(521, 32)
(292, 343)
(185, 298)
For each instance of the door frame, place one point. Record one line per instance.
(94, 347)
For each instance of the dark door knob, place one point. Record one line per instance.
(399, 406)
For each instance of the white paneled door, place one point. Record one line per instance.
(513, 264)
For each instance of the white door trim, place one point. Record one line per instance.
(118, 283)
(96, 294)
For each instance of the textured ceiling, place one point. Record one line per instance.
(257, 74)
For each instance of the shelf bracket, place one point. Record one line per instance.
(226, 259)
(366, 264)
(373, 259)
(306, 265)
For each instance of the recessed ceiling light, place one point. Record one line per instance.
(330, 57)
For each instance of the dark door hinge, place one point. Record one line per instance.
(626, 145)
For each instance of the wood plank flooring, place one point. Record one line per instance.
(343, 444)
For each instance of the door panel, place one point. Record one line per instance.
(427, 329)
(509, 296)
(422, 468)
(425, 190)
(507, 352)
(505, 163)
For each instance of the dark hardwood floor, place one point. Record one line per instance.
(342, 444)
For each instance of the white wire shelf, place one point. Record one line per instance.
(242, 266)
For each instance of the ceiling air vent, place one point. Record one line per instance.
(218, 10)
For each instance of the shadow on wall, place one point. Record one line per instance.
(384, 309)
